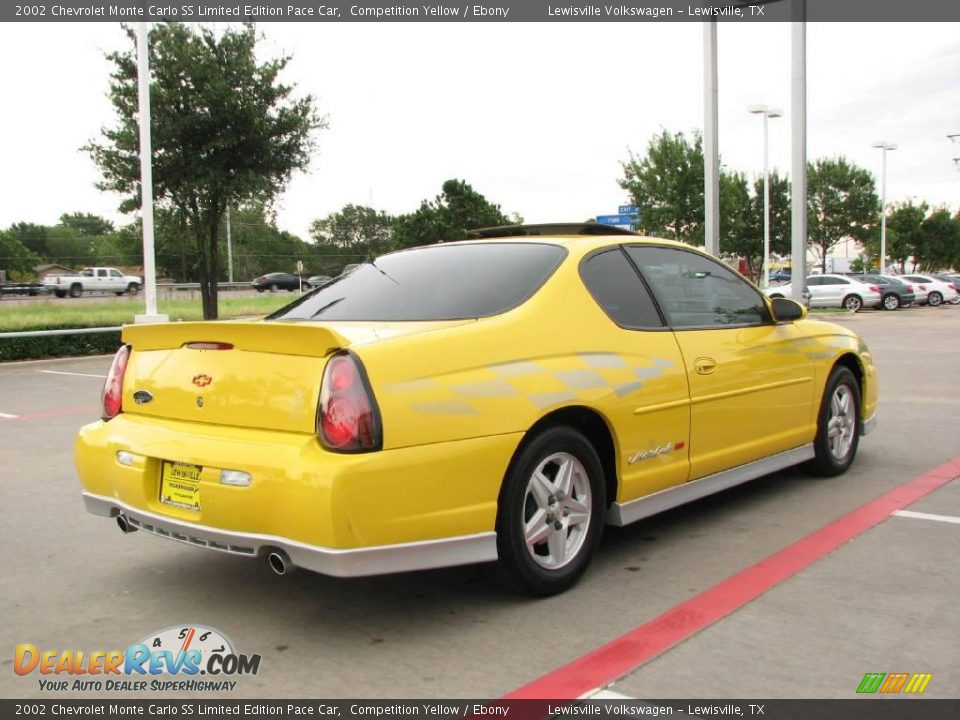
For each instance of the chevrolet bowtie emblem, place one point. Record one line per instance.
(202, 380)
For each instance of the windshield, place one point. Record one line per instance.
(439, 282)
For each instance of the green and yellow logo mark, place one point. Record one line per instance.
(914, 683)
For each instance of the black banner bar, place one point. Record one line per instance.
(482, 11)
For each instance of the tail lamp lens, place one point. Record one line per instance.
(874, 288)
(112, 398)
(348, 419)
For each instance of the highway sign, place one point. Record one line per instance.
(629, 210)
(616, 219)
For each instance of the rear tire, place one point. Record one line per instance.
(891, 301)
(934, 299)
(853, 303)
(550, 514)
(838, 425)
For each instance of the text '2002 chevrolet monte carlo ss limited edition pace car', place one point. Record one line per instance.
(491, 400)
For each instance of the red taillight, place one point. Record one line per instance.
(112, 398)
(909, 288)
(348, 419)
(951, 286)
(874, 288)
(923, 287)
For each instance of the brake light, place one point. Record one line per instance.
(348, 419)
(909, 288)
(874, 288)
(951, 286)
(112, 397)
(923, 287)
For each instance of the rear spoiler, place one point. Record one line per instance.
(282, 338)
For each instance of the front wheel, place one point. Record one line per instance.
(838, 424)
(934, 299)
(853, 303)
(550, 514)
(891, 301)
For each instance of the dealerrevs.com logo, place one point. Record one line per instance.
(184, 652)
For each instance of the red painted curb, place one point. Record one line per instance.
(618, 657)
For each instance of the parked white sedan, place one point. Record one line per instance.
(835, 291)
(937, 291)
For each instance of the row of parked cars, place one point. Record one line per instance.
(890, 292)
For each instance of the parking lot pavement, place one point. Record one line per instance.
(884, 602)
(877, 604)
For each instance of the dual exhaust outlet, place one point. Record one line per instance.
(277, 560)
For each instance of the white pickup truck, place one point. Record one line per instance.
(93, 279)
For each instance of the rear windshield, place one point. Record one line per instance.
(439, 282)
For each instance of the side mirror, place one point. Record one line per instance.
(785, 310)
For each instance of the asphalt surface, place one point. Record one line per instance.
(884, 602)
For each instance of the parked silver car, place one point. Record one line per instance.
(835, 291)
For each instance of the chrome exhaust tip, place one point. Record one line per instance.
(124, 524)
(280, 563)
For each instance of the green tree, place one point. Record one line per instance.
(259, 246)
(841, 202)
(903, 235)
(448, 217)
(355, 229)
(939, 245)
(738, 234)
(15, 258)
(667, 184)
(225, 131)
(86, 223)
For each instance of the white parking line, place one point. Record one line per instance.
(928, 516)
(58, 372)
(7, 416)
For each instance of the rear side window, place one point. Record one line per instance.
(618, 289)
(439, 282)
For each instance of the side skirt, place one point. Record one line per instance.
(658, 502)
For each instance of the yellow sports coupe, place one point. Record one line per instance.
(492, 400)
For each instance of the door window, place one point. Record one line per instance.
(695, 291)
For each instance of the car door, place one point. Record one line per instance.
(633, 350)
(751, 380)
(835, 289)
(116, 281)
(814, 284)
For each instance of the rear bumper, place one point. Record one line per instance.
(354, 562)
(390, 511)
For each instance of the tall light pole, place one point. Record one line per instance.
(884, 146)
(767, 112)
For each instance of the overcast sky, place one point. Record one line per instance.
(537, 117)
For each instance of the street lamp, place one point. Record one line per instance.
(767, 112)
(883, 145)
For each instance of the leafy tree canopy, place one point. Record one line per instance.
(356, 229)
(448, 217)
(841, 203)
(667, 184)
(86, 223)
